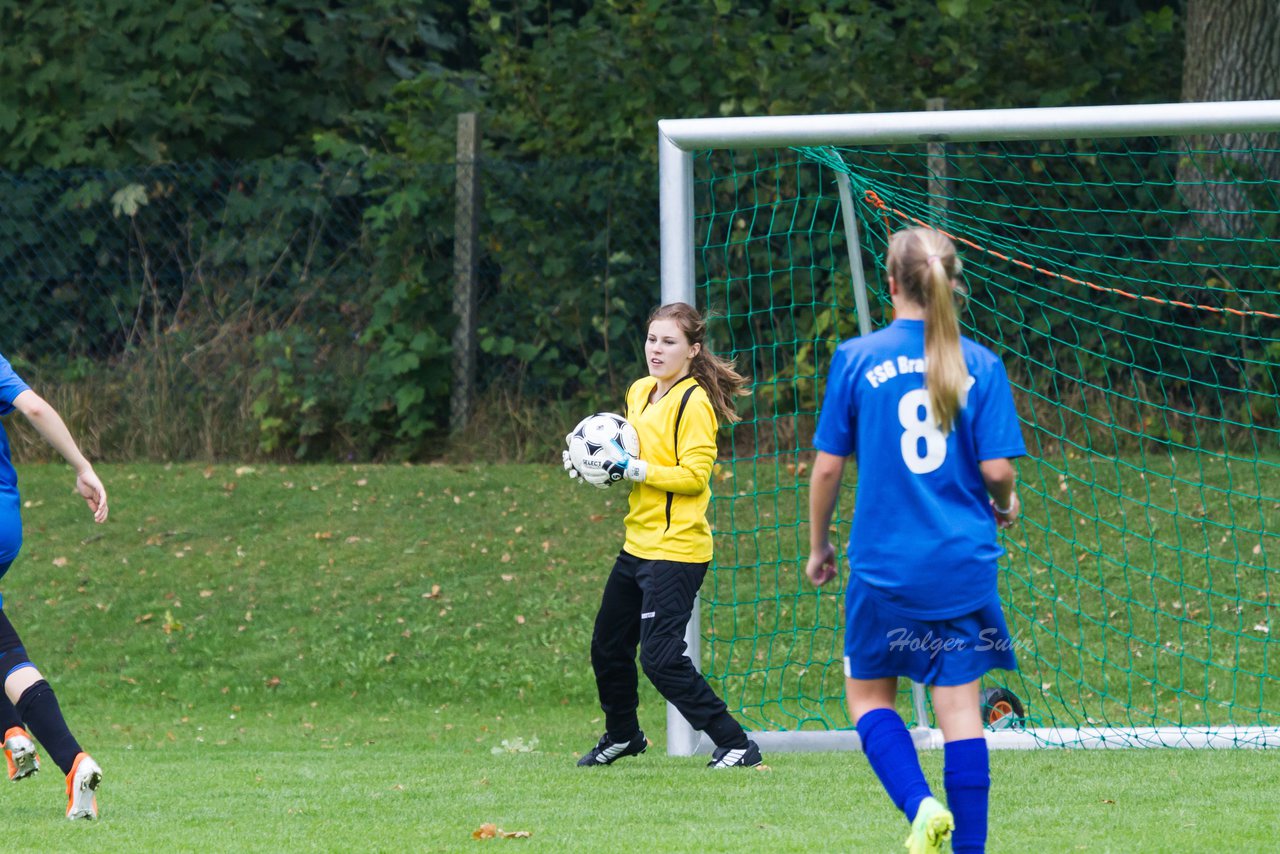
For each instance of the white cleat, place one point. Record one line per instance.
(82, 788)
(20, 754)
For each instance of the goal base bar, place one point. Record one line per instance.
(1092, 738)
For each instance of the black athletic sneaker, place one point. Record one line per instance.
(607, 752)
(736, 757)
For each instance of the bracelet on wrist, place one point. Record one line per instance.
(1003, 511)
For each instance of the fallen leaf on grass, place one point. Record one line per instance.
(59, 561)
(170, 625)
(489, 830)
(516, 745)
(434, 594)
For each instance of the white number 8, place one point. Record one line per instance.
(916, 417)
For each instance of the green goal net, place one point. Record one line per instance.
(1131, 285)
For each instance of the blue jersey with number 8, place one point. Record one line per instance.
(923, 536)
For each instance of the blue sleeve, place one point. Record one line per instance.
(837, 420)
(996, 429)
(11, 385)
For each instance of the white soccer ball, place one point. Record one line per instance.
(598, 439)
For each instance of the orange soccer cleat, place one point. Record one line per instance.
(20, 754)
(82, 787)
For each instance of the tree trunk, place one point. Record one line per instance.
(1232, 54)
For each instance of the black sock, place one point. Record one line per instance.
(621, 728)
(9, 717)
(39, 709)
(726, 732)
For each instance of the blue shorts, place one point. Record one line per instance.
(879, 643)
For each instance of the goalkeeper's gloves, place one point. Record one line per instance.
(568, 466)
(628, 467)
(599, 479)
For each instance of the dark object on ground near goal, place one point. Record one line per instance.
(1001, 709)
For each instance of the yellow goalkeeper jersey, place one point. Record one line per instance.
(668, 516)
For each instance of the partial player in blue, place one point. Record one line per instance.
(28, 703)
(930, 419)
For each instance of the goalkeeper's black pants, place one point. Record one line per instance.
(648, 602)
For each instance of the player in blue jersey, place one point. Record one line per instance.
(27, 702)
(930, 418)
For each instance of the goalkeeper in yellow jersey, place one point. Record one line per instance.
(650, 592)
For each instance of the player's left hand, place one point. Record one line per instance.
(627, 467)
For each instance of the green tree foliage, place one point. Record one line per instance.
(579, 90)
(111, 83)
(569, 96)
(561, 83)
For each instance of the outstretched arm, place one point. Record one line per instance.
(50, 426)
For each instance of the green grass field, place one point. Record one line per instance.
(339, 658)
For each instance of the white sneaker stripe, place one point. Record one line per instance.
(731, 758)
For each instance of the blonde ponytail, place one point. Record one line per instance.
(924, 264)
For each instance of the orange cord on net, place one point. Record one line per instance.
(876, 202)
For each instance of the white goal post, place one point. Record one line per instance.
(680, 139)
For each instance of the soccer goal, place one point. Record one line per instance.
(1124, 262)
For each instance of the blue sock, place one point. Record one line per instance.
(967, 777)
(893, 757)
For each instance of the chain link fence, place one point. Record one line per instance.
(308, 309)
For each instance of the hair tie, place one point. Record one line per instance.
(930, 259)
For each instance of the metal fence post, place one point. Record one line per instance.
(938, 170)
(466, 200)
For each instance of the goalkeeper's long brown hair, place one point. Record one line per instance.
(924, 264)
(717, 376)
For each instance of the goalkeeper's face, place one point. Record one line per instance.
(667, 351)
